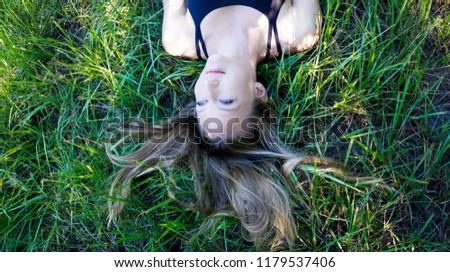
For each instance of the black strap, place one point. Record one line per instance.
(273, 28)
(200, 41)
(269, 41)
(277, 39)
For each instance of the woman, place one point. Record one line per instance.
(228, 137)
(234, 36)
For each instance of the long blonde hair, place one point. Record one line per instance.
(247, 177)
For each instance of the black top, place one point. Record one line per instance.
(200, 8)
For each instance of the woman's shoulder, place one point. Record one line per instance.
(178, 30)
(299, 23)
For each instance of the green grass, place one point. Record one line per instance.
(374, 94)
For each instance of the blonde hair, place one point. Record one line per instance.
(247, 177)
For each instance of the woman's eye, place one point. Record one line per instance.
(201, 103)
(226, 101)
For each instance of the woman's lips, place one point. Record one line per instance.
(215, 71)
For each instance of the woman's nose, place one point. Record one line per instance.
(213, 82)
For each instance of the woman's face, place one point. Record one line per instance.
(225, 94)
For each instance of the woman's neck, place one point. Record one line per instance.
(239, 45)
(237, 32)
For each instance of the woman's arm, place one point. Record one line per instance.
(178, 29)
(174, 7)
(299, 24)
(309, 21)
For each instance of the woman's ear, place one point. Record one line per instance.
(261, 92)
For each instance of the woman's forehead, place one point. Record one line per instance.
(224, 124)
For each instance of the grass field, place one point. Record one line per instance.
(374, 94)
